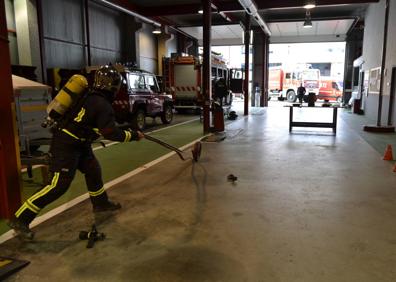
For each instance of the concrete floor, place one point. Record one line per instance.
(307, 206)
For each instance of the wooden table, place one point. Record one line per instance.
(332, 124)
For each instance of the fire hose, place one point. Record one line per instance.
(196, 149)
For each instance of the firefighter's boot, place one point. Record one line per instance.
(21, 229)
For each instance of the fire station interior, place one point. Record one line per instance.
(224, 186)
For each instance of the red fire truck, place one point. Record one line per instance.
(283, 84)
(182, 78)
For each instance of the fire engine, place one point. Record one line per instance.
(283, 84)
(182, 78)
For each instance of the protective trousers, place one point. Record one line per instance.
(65, 159)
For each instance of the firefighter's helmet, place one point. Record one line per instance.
(107, 79)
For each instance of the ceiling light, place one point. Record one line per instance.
(157, 30)
(200, 11)
(309, 4)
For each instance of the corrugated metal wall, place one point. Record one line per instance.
(63, 32)
(107, 32)
(65, 36)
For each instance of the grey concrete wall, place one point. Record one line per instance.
(13, 44)
(372, 50)
(26, 23)
(171, 46)
(148, 49)
(9, 6)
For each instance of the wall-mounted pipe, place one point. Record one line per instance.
(141, 17)
(122, 9)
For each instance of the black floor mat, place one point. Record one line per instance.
(9, 266)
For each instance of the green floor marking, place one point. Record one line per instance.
(116, 160)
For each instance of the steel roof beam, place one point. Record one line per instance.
(234, 6)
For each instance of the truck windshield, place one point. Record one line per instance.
(335, 85)
(310, 75)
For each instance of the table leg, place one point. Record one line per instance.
(290, 119)
(335, 120)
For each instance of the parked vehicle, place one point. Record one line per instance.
(283, 84)
(330, 90)
(275, 82)
(237, 77)
(139, 97)
(182, 78)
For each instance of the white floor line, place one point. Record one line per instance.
(174, 125)
(33, 167)
(10, 234)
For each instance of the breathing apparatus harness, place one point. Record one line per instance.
(66, 106)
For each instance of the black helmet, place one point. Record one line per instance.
(108, 79)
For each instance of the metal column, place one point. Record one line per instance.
(10, 197)
(264, 82)
(246, 82)
(383, 62)
(206, 76)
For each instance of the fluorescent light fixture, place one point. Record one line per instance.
(309, 4)
(157, 30)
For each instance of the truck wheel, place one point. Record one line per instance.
(291, 96)
(167, 114)
(139, 120)
(339, 99)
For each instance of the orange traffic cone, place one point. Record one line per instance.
(388, 156)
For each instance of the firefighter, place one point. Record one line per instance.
(71, 150)
(220, 90)
(301, 92)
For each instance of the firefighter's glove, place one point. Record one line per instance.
(136, 135)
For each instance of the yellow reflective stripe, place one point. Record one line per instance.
(69, 133)
(33, 206)
(97, 193)
(29, 203)
(80, 115)
(128, 136)
(22, 209)
(46, 188)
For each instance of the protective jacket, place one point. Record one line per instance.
(94, 118)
